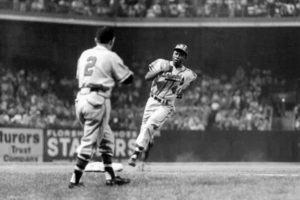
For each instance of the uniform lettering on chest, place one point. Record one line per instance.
(172, 77)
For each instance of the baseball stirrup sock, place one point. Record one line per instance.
(138, 150)
(146, 155)
(81, 162)
(109, 172)
(107, 162)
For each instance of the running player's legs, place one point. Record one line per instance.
(155, 115)
(153, 121)
(150, 108)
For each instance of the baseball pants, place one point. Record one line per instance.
(155, 115)
(93, 112)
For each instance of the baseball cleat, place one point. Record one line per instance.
(75, 185)
(117, 181)
(132, 160)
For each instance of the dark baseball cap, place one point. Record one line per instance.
(105, 34)
(182, 47)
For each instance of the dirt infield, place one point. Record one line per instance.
(156, 181)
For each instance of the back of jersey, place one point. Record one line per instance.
(100, 68)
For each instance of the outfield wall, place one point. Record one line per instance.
(227, 146)
(52, 145)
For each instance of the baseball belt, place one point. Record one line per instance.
(160, 100)
(87, 90)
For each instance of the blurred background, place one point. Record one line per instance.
(246, 54)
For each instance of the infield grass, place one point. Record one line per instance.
(195, 181)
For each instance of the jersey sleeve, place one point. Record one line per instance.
(120, 71)
(193, 76)
(157, 65)
(189, 78)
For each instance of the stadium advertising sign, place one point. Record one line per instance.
(61, 144)
(21, 145)
(124, 143)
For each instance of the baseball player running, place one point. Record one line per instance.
(169, 80)
(98, 69)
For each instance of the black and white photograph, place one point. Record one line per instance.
(150, 99)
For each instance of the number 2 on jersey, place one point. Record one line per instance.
(89, 67)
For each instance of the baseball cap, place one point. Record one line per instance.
(182, 47)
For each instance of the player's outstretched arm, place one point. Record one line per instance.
(151, 75)
(163, 67)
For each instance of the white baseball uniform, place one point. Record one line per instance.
(164, 91)
(98, 70)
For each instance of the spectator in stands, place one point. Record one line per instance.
(296, 113)
(161, 8)
(16, 5)
(121, 9)
(194, 121)
(232, 7)
(63, 6)
(81, 7)
(184, 8)
(271, 6)
(24, 5)
(198, 7)
(37, 5)
(4, 118)
(213, 8)
(218, 7)
(156, 10)
(140, 8)
(287, 9)
(103, 7)
(131, 12)
(297, 7)
(244, 8)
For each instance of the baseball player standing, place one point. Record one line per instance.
(169, 80)
(98, 69)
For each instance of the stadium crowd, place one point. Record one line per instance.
(29, 98)
(159, 8)
(238, 102)
(241, 101)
